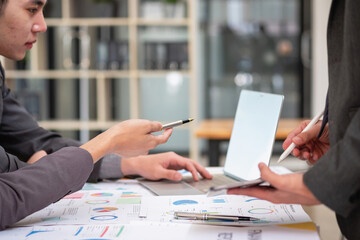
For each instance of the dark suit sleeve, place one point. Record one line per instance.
(8, 162)
(335, 178)
(21, 136)
(35, 186)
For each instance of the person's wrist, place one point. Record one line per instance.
(129, 166)
(115, 139)
(97, 147)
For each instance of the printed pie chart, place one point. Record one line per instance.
(185, 202)
(101, 194)
(104, 218)
(260, 211)
(105, 209)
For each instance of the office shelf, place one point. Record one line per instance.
(87, 22)
(65, 74)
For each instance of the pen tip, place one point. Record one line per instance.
(191, 119)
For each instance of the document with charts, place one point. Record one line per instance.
(161, 209)
(98, 204)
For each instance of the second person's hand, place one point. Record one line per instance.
(287, 188)
(308, 146)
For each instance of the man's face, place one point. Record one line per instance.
(20, 22)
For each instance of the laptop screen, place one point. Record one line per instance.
(253, 134)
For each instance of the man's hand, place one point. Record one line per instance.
(128, 139)
(162, 166)
(36, 156)
(308, 146)
(288, 188)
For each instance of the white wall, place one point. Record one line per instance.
(320, 16)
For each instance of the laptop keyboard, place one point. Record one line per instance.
(204, 184)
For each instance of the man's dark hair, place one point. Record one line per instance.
(2, 5)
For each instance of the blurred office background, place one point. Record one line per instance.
(106, 61)
(258, 45)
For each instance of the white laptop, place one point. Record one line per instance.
(251, 142)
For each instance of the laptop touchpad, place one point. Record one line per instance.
(166, 187)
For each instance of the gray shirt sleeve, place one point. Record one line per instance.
(111, 167)
(35, 186)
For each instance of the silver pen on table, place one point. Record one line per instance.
(292, 145)
(206, 216)
(176, 123)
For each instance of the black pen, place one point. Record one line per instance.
(206, 216)
(177, 123)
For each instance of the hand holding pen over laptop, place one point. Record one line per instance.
(176, 123)
(237, 169)
(212, 217)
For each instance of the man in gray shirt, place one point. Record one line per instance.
(61, 166)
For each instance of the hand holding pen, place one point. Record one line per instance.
(176, 123)
(311, 147)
